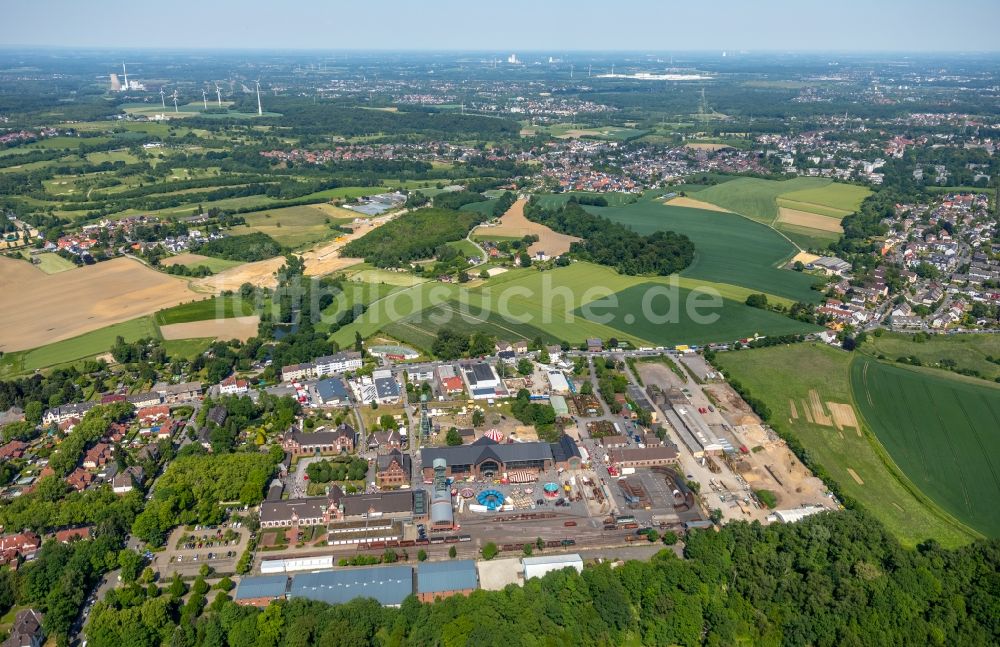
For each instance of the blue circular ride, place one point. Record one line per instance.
(492, 499)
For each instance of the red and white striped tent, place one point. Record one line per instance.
(494, 435)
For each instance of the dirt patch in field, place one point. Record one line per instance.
(259, 273)
(803, 257)
(810, 220)
(854, 475)
(820, 417)
(242, 328)
(807, 412)
(326, 258)
(843, 416)
(184, 259)
(514, 224)
(794, 412)
(38, 308)
(691, 203)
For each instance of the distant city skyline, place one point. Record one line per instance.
(515, 25)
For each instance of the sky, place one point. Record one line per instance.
(538, 25)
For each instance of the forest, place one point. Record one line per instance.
(832, 579)
(608, 243)
(412, 237)
(256, 246)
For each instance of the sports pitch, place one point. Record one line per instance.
(942, 432)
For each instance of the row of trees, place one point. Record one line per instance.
(832, 579)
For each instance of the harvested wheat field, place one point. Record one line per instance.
(515, 225)
(793, 410)
(810, 220)
(804, 257)
(183, 259)
(242, 328)
(854, 475)
(843, 416)
(259, 273)
(691, 203)
(38, 308)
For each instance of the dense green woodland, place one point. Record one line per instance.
(612, 244)
(413, 236)
(835, 579)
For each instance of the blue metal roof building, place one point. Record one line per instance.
(446, 577)
(265, 587)
(389, 585)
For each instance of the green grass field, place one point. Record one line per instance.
(734, 320)
(526, 303)
(845, 198)
(755, 198)
(77, 348)
(967, 351)
(783, 374)
(556, 200)
(728, 248)
(465, 247)
(941, 430)
(186, 348)
(54, 263)
(293, 227)
(807, 237)
(375, 275)
(213, 308)
(810, 207)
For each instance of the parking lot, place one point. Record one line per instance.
(204, 546)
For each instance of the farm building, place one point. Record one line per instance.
(797, 514)
(558, 403)
(539, 566)
(261, 591)
(558, 382)
(389, 585)
(445, 579)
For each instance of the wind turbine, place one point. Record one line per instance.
(125, 74)
(218, 94)
(204, 99)
(260, 109)
(175, 101)
(163, 99)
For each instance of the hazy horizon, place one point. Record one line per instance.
(776, 26)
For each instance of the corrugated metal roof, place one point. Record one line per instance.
(389, 585)
(264, 586)
(439, 577)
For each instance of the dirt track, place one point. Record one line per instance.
(696, 204)
(38, 308)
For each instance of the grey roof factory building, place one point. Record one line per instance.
(389, 585)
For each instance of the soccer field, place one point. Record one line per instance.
(942, 432)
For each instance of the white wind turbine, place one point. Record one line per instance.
(204, 99)
(260, 109)
(175, 101)
(163, 99)
(218, 94)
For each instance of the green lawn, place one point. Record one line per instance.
(941, 430)
(187, 348)
(755, 198)
(465, 247)
(212, 308)
(728, 248)
(807, 237)
(77, 348)
(784, 374)
(54, 263)
(376, 275)
(967, 351)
